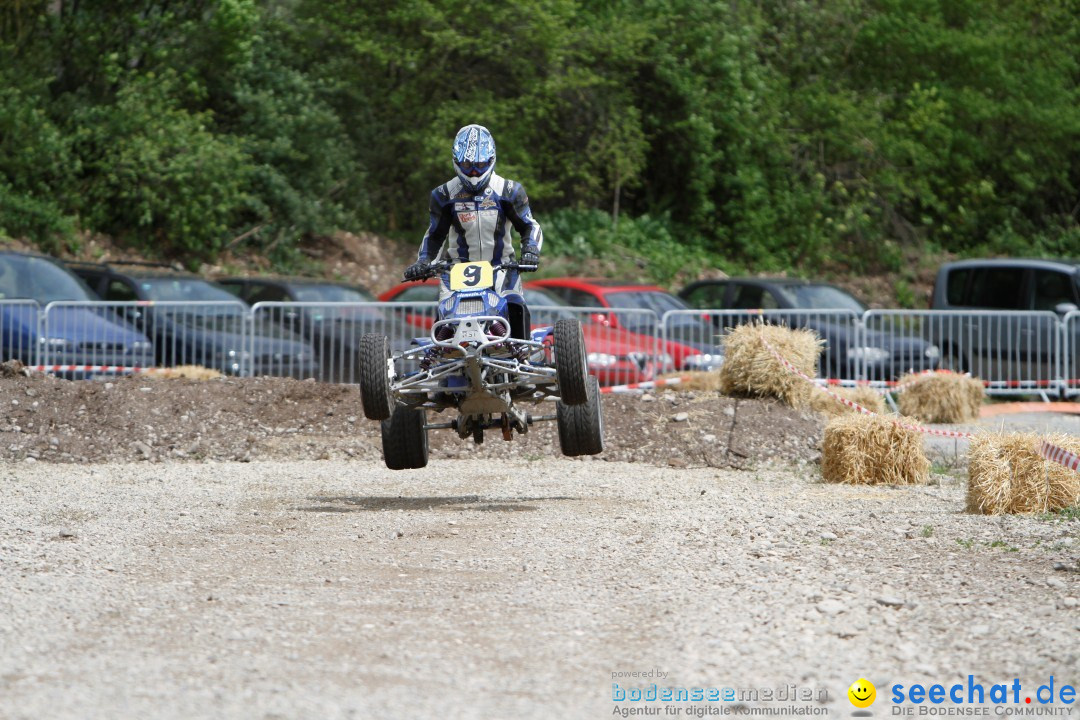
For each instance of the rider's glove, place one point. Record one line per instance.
(530, 258)
(418, 270)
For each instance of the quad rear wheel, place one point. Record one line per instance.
(373, 370)
(581, 427)
(405, 440)
(570, 362)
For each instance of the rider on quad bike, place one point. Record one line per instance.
(468, 223)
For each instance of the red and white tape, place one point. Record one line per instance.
(646, 385)
(1059, 455)
(87, 368)
(858, 407)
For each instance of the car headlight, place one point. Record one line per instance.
(140, 346)
(58, 343)
(932, 352)
(703, 361)
(868, 354)
(233, 354)
(601, 359)
(665, 359)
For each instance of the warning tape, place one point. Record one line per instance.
(1059, 455)
(87, 368)
(857, 406)
(646, 385)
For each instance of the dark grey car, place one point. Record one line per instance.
(1004, 317)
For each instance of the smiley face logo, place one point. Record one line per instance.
(862, 693)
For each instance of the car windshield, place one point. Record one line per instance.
(820, 297)
(34, 278)
(656, 301)
(185, 289)
(538, 298)
(331, 293)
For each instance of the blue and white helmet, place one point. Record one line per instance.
(474, 156)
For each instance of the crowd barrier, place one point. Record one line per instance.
(1013, 352)
(1070, 365)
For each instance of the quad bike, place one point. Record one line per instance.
(471, 364)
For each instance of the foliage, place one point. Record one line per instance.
(764, 136)
(154, 172)
(648, 246)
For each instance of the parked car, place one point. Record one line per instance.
(334, 327)
(999, 344)
(195, 322)
(851, 351)
(71, 335)
(614, 356)
(690, 343)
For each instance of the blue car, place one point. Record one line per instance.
(44, 322)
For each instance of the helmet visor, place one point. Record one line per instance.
(474, 169)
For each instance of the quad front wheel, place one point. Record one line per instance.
(581, 427)
(405, 440)
(570, 362)
(374, 368)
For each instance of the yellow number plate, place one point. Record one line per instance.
(472, 276)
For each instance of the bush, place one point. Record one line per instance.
(155, 174)
(645, 244)
(39, 220)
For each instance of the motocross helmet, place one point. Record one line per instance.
(474, 156)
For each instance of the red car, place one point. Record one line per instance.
(636, 308)
(614, 356)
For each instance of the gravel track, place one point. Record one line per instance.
(468, 590)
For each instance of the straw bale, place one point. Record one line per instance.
(872, 450)
(189, 372)
(941, 397)
(869, 398)
(1006, 474)
(749, 368)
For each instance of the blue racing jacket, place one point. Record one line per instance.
(473, 226)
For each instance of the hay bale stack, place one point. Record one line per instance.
(941, 397)
(187, 372)
(872, 450)
(867, 397)
(1006, 474)
(750, 369)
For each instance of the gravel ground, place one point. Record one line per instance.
(512, 590)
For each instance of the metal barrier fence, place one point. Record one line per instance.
(333, 330)
(1070, 354)
(115, 337)
(1014, 353)
(845, 355)
(20, 330)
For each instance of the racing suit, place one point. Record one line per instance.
(468, 226)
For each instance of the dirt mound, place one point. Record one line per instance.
(135, 418)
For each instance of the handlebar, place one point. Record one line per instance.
(436, 269)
